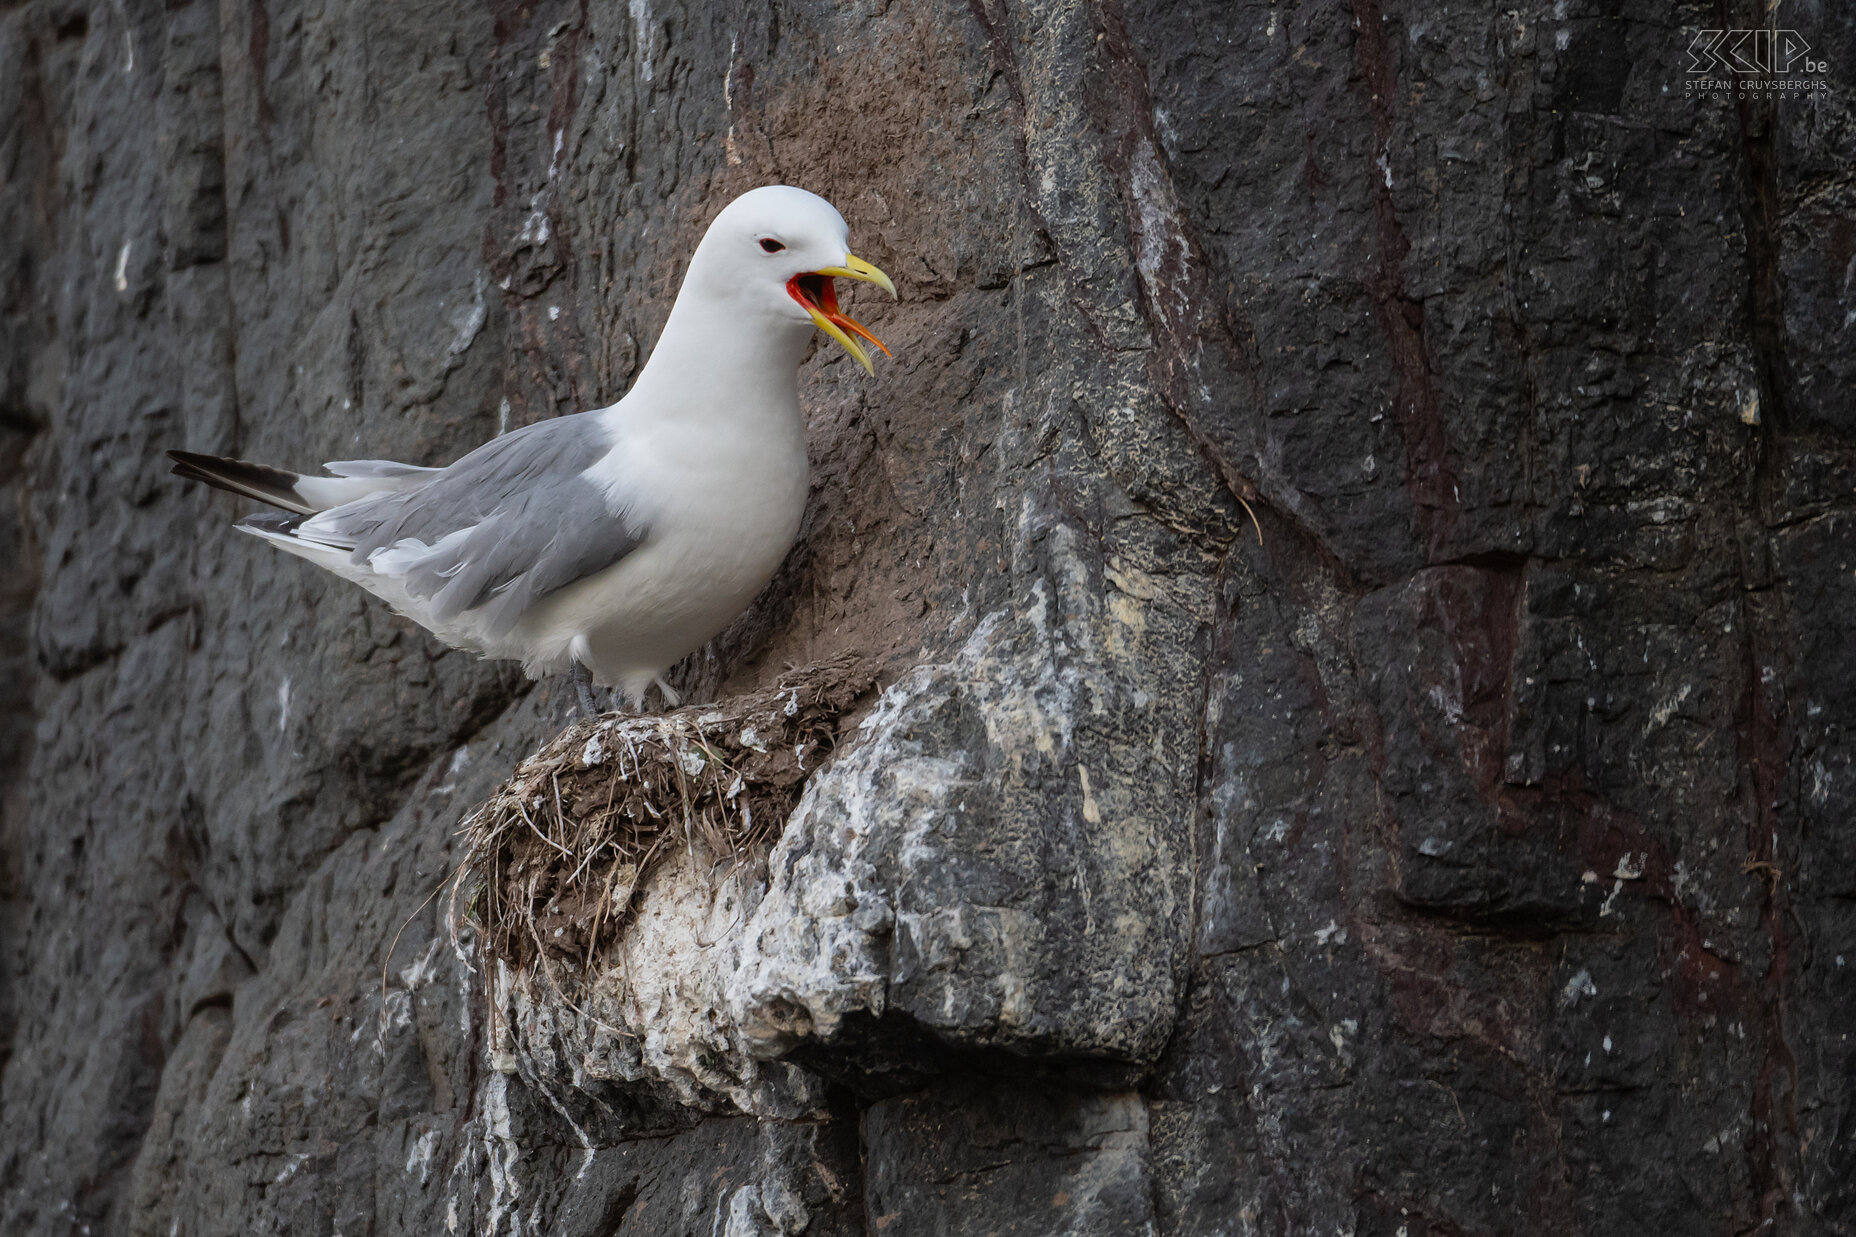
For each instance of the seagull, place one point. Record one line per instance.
(605, 544)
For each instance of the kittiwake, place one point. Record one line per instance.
(609, 543)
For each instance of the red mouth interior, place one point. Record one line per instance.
(820, 292)
(812, 291)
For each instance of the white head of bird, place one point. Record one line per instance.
(761, 279)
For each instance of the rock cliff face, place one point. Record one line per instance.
(1470, 852)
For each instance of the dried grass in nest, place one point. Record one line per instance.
(553, 859)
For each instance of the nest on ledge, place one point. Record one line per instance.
(553, 860)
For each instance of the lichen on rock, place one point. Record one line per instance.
(946, 882)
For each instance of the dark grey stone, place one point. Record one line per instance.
(1473, 855)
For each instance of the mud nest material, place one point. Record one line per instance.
(553, 859)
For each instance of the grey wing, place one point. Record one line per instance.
(505, 526)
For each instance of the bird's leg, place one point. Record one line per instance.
(671, 697)
(583, 691)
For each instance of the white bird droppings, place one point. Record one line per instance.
(641, 26)
(467, 320)
(419, 1159)
(1578, 986)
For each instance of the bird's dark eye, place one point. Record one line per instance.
(771, 245)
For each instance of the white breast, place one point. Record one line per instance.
(722, 498)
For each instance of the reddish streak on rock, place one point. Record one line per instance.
(505, 19)
(1182, 310)
(563, 106)
(1763, 746)
(496, 103)
(1125, 119)
(1175, 288)
(553, 350)
(1312, 179)
(1000, 41)
(564, 79)
(1417, 960)
(260, 51)
(1428, 476)
(1702, 984)
(1478, 611)
(1414, 964)
(508, 16)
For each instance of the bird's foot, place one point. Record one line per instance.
(583, 691)
(671, 697)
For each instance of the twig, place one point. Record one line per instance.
(538, 833)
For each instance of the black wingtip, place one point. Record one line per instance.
(242, 477)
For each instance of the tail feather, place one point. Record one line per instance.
(272, 523)
(257, 481)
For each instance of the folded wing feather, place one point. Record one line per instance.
(505, 526)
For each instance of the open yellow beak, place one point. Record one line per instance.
(815, 291)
